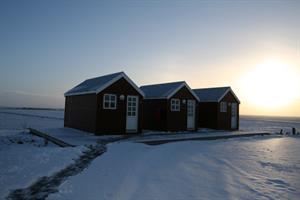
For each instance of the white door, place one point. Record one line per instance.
(191, 114)
(132, 114)
(233, 115)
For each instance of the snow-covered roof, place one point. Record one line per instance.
(164, 90)
(96, 85)
(213, 94)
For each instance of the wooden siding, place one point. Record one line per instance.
(155, 114)
(224, 118)
(208, 115)
(114, 121)
(177, 120)
(211, 117)
(158, 114)
(80, 112)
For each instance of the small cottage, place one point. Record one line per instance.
(110, 104)
(218, 108)
(169, 107)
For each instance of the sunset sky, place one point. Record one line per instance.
(47, 47)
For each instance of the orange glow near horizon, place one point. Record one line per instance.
(271, 85)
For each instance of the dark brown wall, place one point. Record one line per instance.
(177, 121)
(158, 114)
(80, 112)
(208, 115)
(155, 114)
(211, 117)
(224, 119)
(114, 121)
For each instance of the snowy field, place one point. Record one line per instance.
(265, 167)
(270, 124)
(18, 119)
(256, 168)
(23, 157)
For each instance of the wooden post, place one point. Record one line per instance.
(294, 131)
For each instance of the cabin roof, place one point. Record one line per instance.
(164, 90)
(96, 85)
(213, 94)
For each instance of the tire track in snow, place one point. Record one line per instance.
(46, 185)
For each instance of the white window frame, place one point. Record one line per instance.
(175, 104)
(223, 107)
(109, 101)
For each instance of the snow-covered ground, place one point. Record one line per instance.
(252, 168)
(270, 124)
(48, 113)
(22, 164)
(265, 167)
(23, 157)
(18, 119)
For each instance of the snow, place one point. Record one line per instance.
(23, 157)
(22, 164)
(269, 124)
(211, 94)
(76, 137)
(162, 90)
(46, 113)
(93, 84)
(256, 168)
(19, 119)
(259, 167)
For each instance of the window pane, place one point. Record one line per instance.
(112, 104)
(106, 97)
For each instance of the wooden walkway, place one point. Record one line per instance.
(49, 138)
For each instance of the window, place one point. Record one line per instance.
(223, 107)
(109, 101)
(175, 105)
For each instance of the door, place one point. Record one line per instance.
(132, 114)
(233, 115)
(191, 114)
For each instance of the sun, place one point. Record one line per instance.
(271, 84)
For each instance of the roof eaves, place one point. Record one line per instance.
(175, 90)
(229, 90)
(150, 98)
(133, 84)
(108, 83)
(181, 86)
(79, 93)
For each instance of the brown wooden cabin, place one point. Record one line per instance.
(169, 107)
(218, 108)
(110, 104)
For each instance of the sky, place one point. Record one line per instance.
(47, 47)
